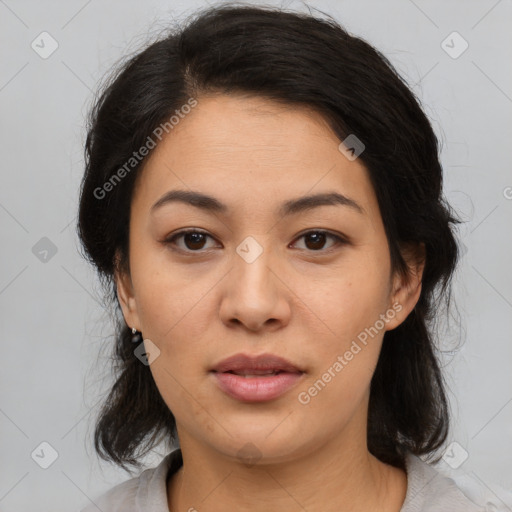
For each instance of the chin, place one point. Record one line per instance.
(263, 445)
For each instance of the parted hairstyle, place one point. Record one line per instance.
(297, 59)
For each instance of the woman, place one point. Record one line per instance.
(263, 199)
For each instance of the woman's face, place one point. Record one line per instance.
(261, 277)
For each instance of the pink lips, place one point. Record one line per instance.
(268, 377)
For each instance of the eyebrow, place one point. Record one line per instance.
(290, 207)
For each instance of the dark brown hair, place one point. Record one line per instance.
(297, 59)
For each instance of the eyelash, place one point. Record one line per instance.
(339, 240)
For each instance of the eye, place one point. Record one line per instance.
(315, 240)
(195, 240)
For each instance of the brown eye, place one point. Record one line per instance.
(315, 240)
(193, 240)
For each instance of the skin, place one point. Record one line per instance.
(301, 299)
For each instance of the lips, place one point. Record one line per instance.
(263, 364)
(248, 373)
(256, 378)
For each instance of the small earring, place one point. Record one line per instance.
(137, 336)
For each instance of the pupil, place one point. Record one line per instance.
(318, 240)
(194, 238)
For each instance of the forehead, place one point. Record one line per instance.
(252, 151)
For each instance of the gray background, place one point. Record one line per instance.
(52, 323)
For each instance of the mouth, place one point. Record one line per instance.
(256, 378)
(262, 364)
(250, 374)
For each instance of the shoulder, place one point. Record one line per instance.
(430, 490)
(146, 492)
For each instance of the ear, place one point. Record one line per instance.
(406, 289)
(125, 294)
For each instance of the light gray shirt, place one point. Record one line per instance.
(428, 490)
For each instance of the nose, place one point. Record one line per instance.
(255, 294)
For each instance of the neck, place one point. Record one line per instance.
(332, 478)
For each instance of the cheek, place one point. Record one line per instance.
(349, 298)
(171, 298)
(347, 349)
(346, 309)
